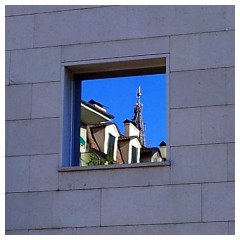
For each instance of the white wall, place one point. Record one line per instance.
(111, 129)
(198, 42)
(135, 143)
(83, 134)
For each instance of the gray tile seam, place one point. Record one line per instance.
(201, 202)
(201, 122)
(28, 83)
(200, 144)
(35, 154)
(123, 39)
(203, 106)
(29, 155)
(225, 18)
(9, 68)
(225, 85)
(144, 186)
(128, 225)
(31, 103)
(227, 160)
(34, 30)
(126, 187)
(29, 170)
(6, 139)
(202, 69)
(29, 119)
(90, 43)
(58, 11)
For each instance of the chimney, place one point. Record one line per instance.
(130, 129)
(97, 105)
(163, 150)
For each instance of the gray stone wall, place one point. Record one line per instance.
(195, 195)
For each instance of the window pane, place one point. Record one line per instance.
(134, 154)
(110, 151)
(118, 95)
(132, 109)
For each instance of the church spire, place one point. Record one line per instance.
(137, 119)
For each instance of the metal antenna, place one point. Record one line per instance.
(137, 119)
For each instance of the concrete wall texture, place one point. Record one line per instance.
(194, 195)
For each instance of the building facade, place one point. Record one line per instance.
(193, 192)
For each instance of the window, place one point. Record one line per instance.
(134, 154)
(110, 150)
(87, 131)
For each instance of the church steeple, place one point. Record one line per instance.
(137, 119)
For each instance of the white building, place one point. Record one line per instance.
(101, 141)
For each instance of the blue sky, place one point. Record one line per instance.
(119, 97)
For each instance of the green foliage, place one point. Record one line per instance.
(94, 160)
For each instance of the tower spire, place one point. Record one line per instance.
(137, 119)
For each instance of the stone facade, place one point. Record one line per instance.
(198, 42)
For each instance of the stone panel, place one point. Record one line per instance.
(230, 17)
(46, 100)
(19, 32)
(59, 28)
(217, 124)
(218, 201)
(43, 172)
(230, 85)
(198, 88)
(78, 208)
(142, 205)
(231, 228)
(40, 209)
(35, 65)
(104, 24)
(27, 137)
(17, 174)
(115, 49)
(17, 232)
(202, 163)
(90, 25)
(114, 178)
(201, 51)
(231, 161)
(53, 209)
(149, 21)
(16, 211)
(18, 101)
(185, 126)
(7, 67)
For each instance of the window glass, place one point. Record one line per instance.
(110, 151)
(134, 154)
(132, 108)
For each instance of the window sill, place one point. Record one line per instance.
(115, 166)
